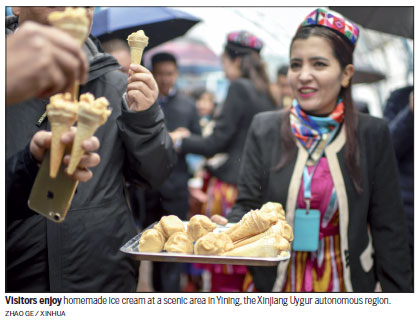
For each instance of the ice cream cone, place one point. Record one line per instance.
(275, 209)
(137, 42)
(282, 228)
(91, 115)
(62, 113)
(75, 22)
(268, 246)
(252, 223)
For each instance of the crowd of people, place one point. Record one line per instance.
(300, 142)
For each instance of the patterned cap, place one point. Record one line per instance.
(334, 21)
(245, 39)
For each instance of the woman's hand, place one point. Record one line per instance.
(179, 133)
(216, 218)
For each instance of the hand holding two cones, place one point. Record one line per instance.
(42, 140)
(73, 21)
(62, 112)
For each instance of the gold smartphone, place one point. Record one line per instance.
(51, 197)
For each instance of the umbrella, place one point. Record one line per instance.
(160, 24)
(192, 55)
(397, 21)
(366, 74)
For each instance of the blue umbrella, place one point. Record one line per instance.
(160, 24)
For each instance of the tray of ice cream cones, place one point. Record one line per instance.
(261, 238)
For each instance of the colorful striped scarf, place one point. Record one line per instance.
(314, 132)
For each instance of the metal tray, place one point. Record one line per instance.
(131, 248)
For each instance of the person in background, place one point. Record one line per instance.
(334, 171)
(281, 89)
(206, 109)
(399, 112)
(120, 50)
(248, 94)
(172, 196)
(82, 254)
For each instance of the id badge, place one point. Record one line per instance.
(306, 230)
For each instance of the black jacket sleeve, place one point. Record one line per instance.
(401, 121)
(21, 171)
(150, 155)
(227, 124)
(250, 175)
(402, 132)
(386, 219)
(194, 126)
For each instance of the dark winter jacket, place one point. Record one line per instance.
(401, 125)
(82, 253)
(172, 196)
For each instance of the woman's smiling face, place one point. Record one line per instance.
(315, 75)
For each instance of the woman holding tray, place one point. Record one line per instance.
(334, 171)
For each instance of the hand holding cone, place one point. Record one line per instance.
(75, 22)
(137, 42)
(62, 113)
(91, 115)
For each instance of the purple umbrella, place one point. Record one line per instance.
(193, 56)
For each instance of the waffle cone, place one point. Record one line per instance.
(244, 242)
(136, 55)
(269, 245)
(61, 121)
(252, 223)
(86, 127)
(264, 247)
(242, 231)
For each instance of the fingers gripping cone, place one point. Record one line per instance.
(62, 113)
(137, 42)
(75, 22)
(91, 115)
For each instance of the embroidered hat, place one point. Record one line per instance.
(244, 40)
(334, 21)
